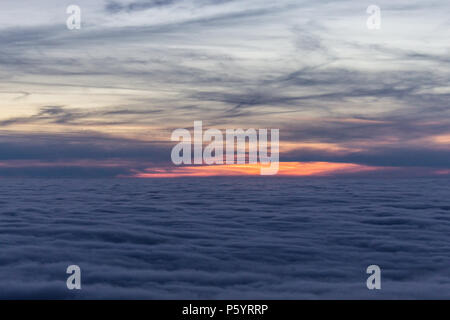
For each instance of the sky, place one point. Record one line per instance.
(102, 101)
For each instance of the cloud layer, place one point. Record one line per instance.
(189, 239)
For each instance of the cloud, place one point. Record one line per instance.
(386, 156)
(116, 6)
(87, 155)
(285, 239)
(311, 69)
(61, 115)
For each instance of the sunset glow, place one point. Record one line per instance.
(285, 169)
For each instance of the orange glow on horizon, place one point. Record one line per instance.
(285, 169)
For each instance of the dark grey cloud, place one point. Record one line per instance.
(403, 130)
(61, 115)
(388, 156)
(113, 6)
(77, 146)
(117, 6)
(87, 155)
(66, 171)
